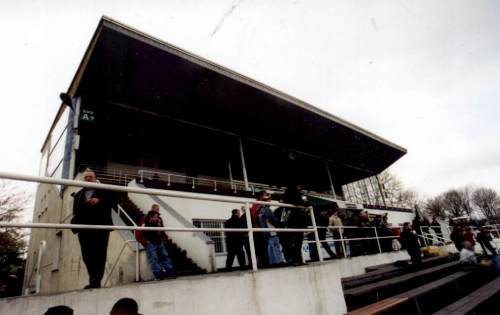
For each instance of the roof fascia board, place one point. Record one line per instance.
(158, 43)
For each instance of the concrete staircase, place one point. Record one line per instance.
(182, 264)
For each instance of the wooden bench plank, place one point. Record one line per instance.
(380, 307)
(425, 260)
(386, 305)
(381, 274)
(473, 300)
(373, 287)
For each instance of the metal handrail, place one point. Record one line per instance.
(118, 258)
(144, 191)
(233, 184)
(137, 272)
(250, 229)
(121, 210)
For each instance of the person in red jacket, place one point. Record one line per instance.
(469, 236)
(153, 242)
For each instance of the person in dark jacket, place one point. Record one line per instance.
(409, 241)
(92, 207)
(355, 246)
(297, 218)
(322, 222)
(260, 241)
(484, 239)
(246, 241)
(234, 240)
(153, 242)
(457, 236)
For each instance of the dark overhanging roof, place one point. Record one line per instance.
(123, 65)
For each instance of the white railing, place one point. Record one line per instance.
(147, 191)
(250, 230)
(214, 183)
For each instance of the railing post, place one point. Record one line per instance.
(423, 236)
(378, 240)
(137, 267)
(215, 185)
(343, 243)
(253, 258)
(38, 276)
(142, 176)
(316, 235)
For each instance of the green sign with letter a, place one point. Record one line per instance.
(87, 115)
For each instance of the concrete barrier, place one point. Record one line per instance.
(310, 289)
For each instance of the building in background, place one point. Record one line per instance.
(144, 113)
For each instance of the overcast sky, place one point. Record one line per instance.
(423, 74)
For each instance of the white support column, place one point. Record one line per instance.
(230, 173)
(330, 179)
(75, 143)
(253, 257)
(316, 235)
(243, 165)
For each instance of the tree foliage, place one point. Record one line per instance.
(458, 201)
(12, 241)
(397, 194)
(435, 206)
(488, 201)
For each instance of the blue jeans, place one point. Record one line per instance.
(158, 259)
(274, 250)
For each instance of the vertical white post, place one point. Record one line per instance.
(316, 235)
(142, 175)
(253, 258)
(75, 143)
(424, 236)
(330, 179)
(136, 258)
(243, 165)
(378, 241)
(230, 174)
(341, 232)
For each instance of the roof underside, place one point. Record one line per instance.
(130, 68)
